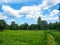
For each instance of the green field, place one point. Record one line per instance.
(29, 37)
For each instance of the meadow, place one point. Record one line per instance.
(29, 37)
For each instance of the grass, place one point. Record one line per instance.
(29, 37)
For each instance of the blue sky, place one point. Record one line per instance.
(27, 11)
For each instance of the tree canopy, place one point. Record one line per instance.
(41, 25)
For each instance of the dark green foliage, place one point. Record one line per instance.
(41, 25)
(24, 26)
(44, 25)
(13, 26)
(33, 27)
(54, 26)
(2, 25)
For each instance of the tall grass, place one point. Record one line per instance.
(21, 37)
(29, 37)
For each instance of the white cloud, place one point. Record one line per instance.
(14, 1)
(11, 20)
(8, 11)
(49, 3)
(52, 16)
(46, 3)
(54, 12)
(53, 2)
(36, 11)
(2, 17)
(49, 18)
(31, 11)
(27, 10)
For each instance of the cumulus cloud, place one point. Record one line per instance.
(54, 12)
(52, 16)
(53, 2)
(2, 17)
(26, 10)
(11, 20)
(14, 1)
(30, 11)
(45, 3)
(36, 11)
(49, 3)
(8, 11)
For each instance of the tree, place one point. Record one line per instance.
(44, 25)
(59, 26)
(21, 27)
(6, 27)
(39, 23)
(33, 27)
(56, 25)
(2, 25)
(13, 26)
(50, 26)
(24, 26)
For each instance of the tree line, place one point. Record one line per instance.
(41, 25)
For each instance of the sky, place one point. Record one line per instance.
(28, 11)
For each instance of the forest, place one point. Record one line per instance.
(41, 25)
